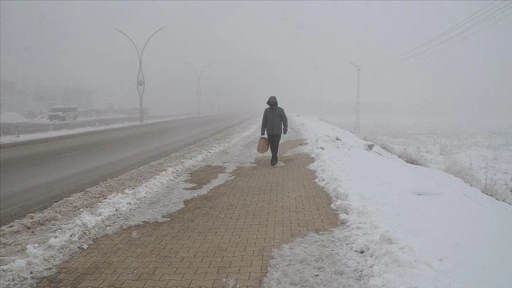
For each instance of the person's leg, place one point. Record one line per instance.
(277, 140)
(272, 144)
(273, 141)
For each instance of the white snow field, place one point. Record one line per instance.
(402, 225)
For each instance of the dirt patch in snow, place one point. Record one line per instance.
(203, 176)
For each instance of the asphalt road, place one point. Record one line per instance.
(35, 175)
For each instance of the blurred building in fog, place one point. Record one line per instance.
(24, 98)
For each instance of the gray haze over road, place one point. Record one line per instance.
(34, 176)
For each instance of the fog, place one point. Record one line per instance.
(298, 51)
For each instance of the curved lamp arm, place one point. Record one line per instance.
(149, 38)
(133, 43)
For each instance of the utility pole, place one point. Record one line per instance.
(198, 89)
(141, 81)
(320, 102)
(358, 99)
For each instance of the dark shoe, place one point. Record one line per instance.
(273, 162)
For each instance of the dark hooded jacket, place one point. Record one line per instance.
(274, 119)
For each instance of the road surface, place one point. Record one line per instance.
(34, 176)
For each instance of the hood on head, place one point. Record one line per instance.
(272, 101)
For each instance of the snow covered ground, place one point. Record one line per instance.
(402, 225)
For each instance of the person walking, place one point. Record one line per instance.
(275, 123)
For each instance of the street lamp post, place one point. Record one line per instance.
(198, 88)
(141, 81)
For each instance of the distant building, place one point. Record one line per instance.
(24, 97)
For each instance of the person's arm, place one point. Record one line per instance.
(285, 122)
(264, 123)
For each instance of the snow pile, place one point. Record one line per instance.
(12, 117)
(402, 225)
(160, 196)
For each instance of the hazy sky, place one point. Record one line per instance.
(294, 50)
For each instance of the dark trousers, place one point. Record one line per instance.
(273, 142)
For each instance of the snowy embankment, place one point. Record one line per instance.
(402, 225)
(32, 247)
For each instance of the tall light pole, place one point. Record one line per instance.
(198, 88)
(358, 100)
(141, 81)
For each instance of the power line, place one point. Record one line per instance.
(479, 18)
(469, 18)
(474, 32)
(486, 19)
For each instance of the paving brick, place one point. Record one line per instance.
(215, 276)
(213, 270)
(179, 283)
(201, 283)
(156, 283)
(239, 276)
(194, 276)
(171, 276)
(154, 277)
(219, 283)
(132, 283)
(250, 269)
(249, 283)
(90, 283)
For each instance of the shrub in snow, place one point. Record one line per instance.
(444, 148)
(489, 186)
(497, 190)
(388, 148)
(458, 170)
(413, 158)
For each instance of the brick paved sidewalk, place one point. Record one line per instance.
(228, 234)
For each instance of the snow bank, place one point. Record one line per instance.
(402, 225)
